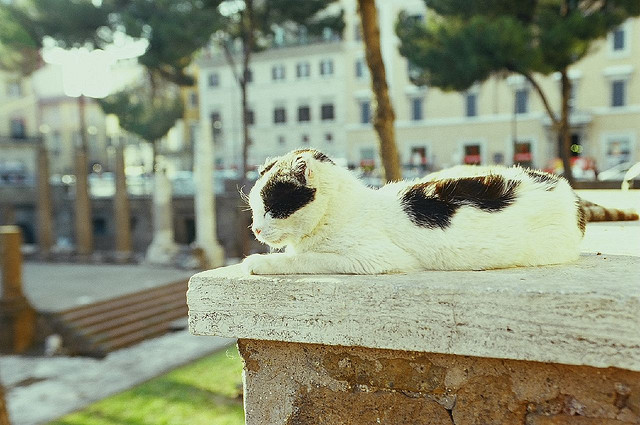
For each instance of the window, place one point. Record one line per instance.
(365, 112)
(277, 72)
(522, 101)
(329, 34)
(361, 68)
(327, 112)
(416, 108)
(278, 36)
(214, 79)
(193, 99)
(522, 154)
(305, 139)
(419, 157)
(357, 32)
(472, 155)
(279, 115)
(100, 226)
(281, 140)
(14, 89)
(304, 113)
(216, 126)
(303, 70)
(328, 138)
(367, 159)
(471, 104)
(193, 133)
(618, 39)
(326, 67)
(618, 89)
(250, 117)
(17, 128)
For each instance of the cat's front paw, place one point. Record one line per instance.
(258, 264)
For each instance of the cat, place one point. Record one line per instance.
(463, 218)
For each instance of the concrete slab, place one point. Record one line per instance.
(583, 313)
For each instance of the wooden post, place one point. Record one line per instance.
(4, 414)
(17, 317)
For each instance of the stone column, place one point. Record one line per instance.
(122, 209)
(83, 222)
(163, 248)
(45, 206)
(17, 317)
(204, 198)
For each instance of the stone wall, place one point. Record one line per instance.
(18, 206)
(311, 384)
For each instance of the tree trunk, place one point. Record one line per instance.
(564, 131)
(4, 414)
(384, 115)
(247, 48)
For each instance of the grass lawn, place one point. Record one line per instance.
(204, 392)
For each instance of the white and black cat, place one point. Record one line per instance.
(464, 218)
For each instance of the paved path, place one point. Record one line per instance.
(57, 287)
(40, 389)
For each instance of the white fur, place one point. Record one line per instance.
(351, 228)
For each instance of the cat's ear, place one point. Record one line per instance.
(269, 163)
(302, 170)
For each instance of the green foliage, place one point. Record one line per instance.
(18, 50)
(175, 30)
(146, 111)
(203, 393)
(25, 25)
(469, 41)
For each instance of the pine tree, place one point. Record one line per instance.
(468, 42)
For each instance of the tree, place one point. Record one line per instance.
(148, 111)
(384, 115)
(247, 27)
(468, 42)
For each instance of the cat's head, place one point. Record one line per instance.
(288, 199)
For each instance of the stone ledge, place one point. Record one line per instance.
(587, 313)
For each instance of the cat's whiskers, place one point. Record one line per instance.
(243, 195)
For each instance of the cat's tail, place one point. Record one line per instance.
(595, 212)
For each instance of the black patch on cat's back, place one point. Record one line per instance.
(491, 193)
(433, 204)
(282, 198)
(424, 210)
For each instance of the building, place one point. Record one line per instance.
(296, 99)
(18, 126)
(499, 121)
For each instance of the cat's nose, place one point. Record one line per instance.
(257, 230)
